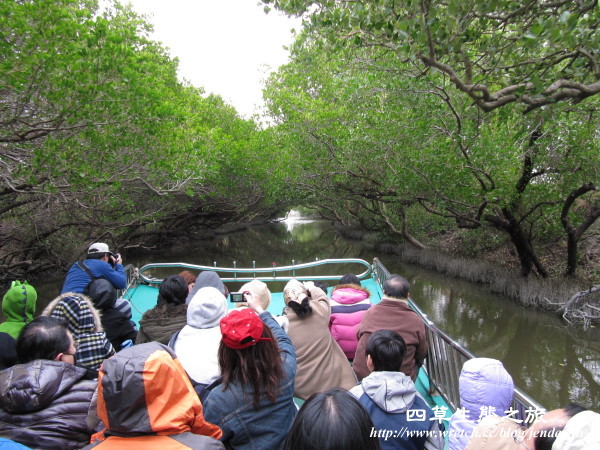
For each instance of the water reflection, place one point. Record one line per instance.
(552, 363)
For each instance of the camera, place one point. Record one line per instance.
(238, 297)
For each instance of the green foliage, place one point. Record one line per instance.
(496, 52)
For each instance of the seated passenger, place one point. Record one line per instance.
(18, 306)
(485, 388)
(145, 400)
(117, 326)
(189, 278)
(390, 397)
(254, 405)
(395, 314)
(100, 263)
(259, 290)
(168, 316)
(197, 344)
(207, 279)
(349, 301)
(322, 364)
(332, 420)
(83, 322)
(46, 401)
(581, 432)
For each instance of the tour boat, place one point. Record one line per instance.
(437, 380)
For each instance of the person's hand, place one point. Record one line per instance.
(309, 285)
(253, 302)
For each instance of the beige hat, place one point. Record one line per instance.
(260, 290)
(294, 291)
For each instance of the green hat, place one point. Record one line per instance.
(18, 305)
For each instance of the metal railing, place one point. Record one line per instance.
(446, 358)
(275, 273)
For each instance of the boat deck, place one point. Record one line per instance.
(143, 297)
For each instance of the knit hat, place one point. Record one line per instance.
(294, 291)
(259, 290)
(242, 328)
(207, 308)
(580, 432)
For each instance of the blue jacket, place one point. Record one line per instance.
(402, 419)
(77, 278)
(245, 427)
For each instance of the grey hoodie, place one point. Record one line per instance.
(393, 392)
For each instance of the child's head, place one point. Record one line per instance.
(385, 351)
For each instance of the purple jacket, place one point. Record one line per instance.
(485, 388)
(348, 305)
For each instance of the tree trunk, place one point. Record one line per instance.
(520, 241)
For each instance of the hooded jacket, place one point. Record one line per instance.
(206, 279)
(388, 397)
(146, 400)
(117, 326)
(83, 321)
(322, 365)
(47, 404)
(18, 306)
(197, 343)
(485, 388)
(348, 305)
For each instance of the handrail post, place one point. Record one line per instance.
(235, 271)
(254, 267)
(293, 270)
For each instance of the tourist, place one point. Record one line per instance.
(197, 344)
(100, 263)
(83, 322)
(18, 306)
(390, 397)
(349, 301)
(485, 388)
(46, 401)
(254, 404)
(393, 313)
(145, 400)
(332, 420)
(118, 327)
(168, 316)
(322, 365)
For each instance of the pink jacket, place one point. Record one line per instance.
(348, 305)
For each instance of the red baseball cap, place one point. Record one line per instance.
(242, 328)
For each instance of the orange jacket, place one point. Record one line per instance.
(144, 390)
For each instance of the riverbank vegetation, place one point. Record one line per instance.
(463, 127)
(99, 140)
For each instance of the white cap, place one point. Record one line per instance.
(98, 247)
